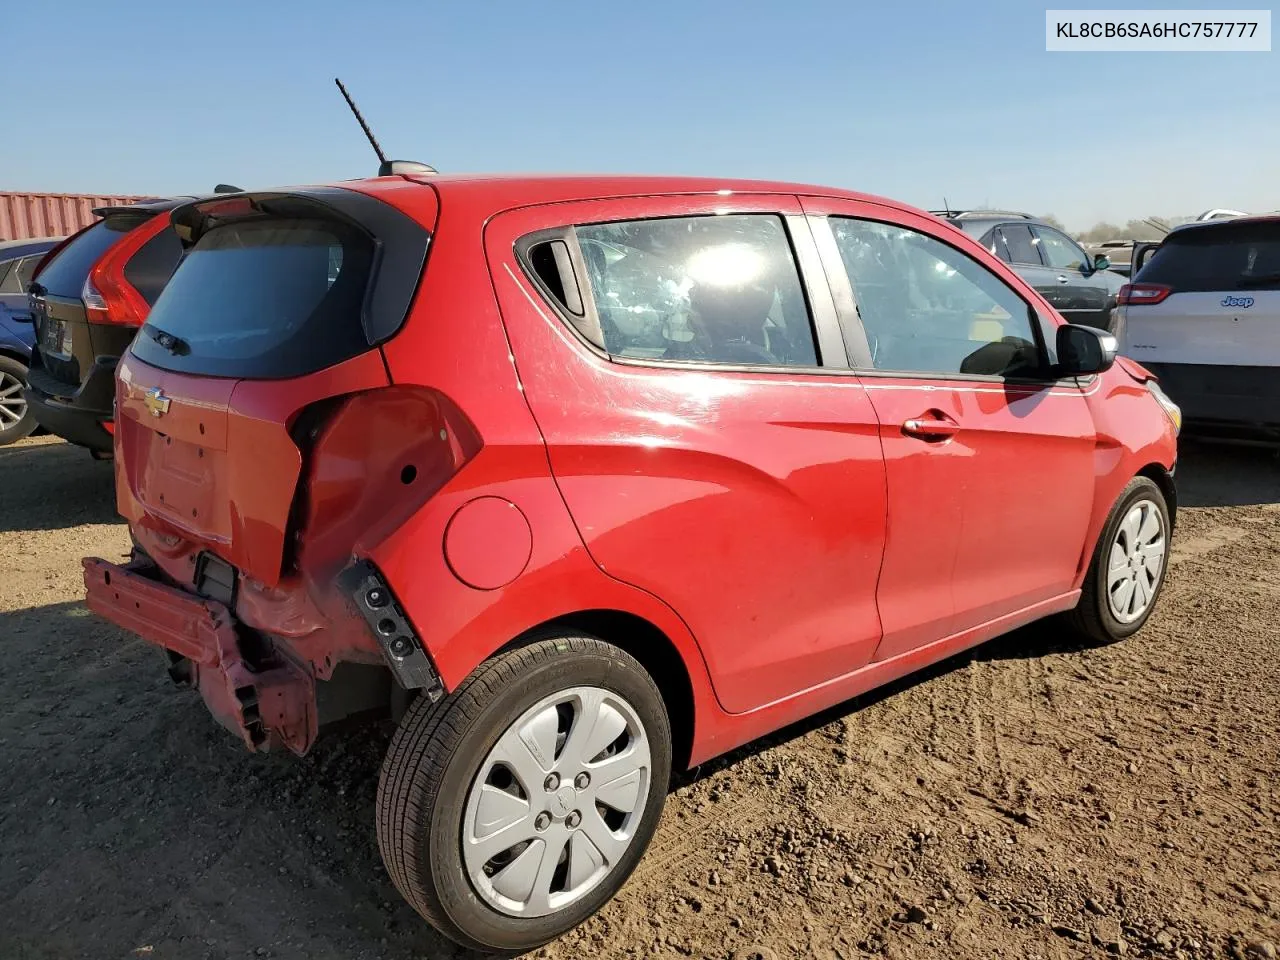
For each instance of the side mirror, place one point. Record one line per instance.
(1101, 262)
(1083, 351)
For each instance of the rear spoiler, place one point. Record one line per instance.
(147, 207)
(154, 205)
(401, 242)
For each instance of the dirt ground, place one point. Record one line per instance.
(1030, 799)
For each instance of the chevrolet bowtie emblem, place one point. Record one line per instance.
(156, 402)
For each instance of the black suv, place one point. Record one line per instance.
(88, 299)
(1079, 286)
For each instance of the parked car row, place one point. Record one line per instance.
(590, 480)
(1079, 285)
(18, 262)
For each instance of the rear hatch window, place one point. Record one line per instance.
(1239, 256)
(269, 298)
(283, 286)
(64, 275)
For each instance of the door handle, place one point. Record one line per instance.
(1063, 278)
(932, 427)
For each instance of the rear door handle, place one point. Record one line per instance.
(1063, 278)
(932, 427)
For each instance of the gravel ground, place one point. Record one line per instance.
(1030, 799)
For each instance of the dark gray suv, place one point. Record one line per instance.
(1078, 285)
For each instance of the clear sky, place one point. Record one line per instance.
(912, 100)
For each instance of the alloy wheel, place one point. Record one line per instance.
(13, 405)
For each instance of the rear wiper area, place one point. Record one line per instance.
(1266, 280)
(174, 344)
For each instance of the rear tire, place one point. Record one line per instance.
(1128, 568)
(16, 419)
(574, 814)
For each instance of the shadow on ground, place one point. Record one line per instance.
(47, 484)
(1026, 643)
(1223, 475)
(124, 794)
(129, 820)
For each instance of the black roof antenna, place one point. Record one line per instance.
(386, 168)
(946, 207)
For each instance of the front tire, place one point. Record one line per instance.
(513, 809)
(1128, 568)
(16, 418)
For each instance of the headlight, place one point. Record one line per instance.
(1172, 409)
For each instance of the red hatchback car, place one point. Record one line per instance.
(587, 479)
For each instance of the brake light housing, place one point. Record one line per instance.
(108, 296)
(1135, 294)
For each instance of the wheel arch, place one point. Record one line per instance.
(13, 354)
(651, 647)
(1162, 478)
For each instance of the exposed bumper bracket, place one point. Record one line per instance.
(401, 647)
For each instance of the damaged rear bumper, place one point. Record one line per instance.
(266, 704)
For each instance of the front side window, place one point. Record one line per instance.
(1060, 251)
(710, 289)
(928, 308)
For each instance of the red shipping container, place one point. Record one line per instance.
(25, 215)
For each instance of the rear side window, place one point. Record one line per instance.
(150, 268)
(26, 269)
(65, 274)
(1018, 245)
(707, 289)
(268, 298)
(1241, 256)
(9, 276)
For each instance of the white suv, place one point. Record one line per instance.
(1203, 314)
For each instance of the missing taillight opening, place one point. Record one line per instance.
(408, 441)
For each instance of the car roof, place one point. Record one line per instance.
(503, 191)
(16, 248)
(978, 222)
(1224, 223)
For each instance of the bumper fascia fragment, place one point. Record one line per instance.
(268, 704)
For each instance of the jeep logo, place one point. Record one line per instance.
(1243, 303)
